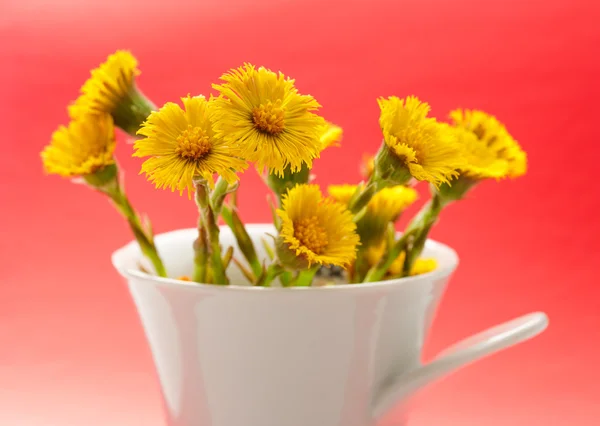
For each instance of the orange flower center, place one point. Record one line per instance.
(193, 143)
(269, 117)
(310, 234)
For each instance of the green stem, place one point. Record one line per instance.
(360, 200)
(305, 277)
(245, 271)
(361, 267)
(227, 257)
(281, 184)
(245, 243)
(412, 241)
(200, 254)
(274, 216)
(421, 226)
(387, 173)
(144, 238)
(377, 272)
(286, 278)
(268, 275)
(209, 222)
(131, 111)
(218, 195)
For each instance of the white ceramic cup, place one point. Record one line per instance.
(329, 356)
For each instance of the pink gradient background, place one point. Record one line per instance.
(72, 352)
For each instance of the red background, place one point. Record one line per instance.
(72, 351)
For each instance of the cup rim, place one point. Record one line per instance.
(132, 249)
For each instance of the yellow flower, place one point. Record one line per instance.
(425, 147)
(83, 148)
(262, 113)
(111, 90)
(315, 229)
(482, 161)
(182, 145)
(331, 135)
(490, 151)
(383, 209)
(388, 203)
(517, 161)
(397, 265)
(343, 193)
(421, 266)
(374, 253)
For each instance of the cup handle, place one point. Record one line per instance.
(461, 354)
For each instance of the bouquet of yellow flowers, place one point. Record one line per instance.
(258, 117)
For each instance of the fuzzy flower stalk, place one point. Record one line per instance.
(83, 150)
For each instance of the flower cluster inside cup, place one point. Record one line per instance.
(254, 119)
